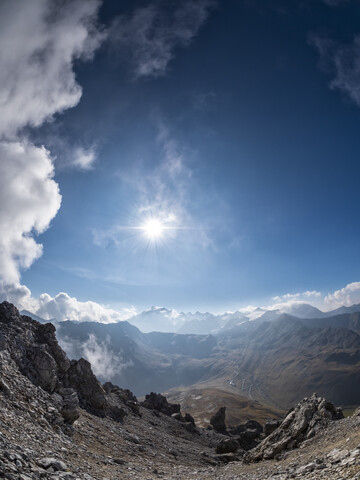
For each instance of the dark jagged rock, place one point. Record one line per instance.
(301, 423)
(34, 348)
(250, 425)
(270, 426)
(227, 445)
(177, 416)
(91, 395)
(218, 420)
(248, 434)
(189, 418)
(156, 401)
(125, 395)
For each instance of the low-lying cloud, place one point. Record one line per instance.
(63, 307)
(104, 362)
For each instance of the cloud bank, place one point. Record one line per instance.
(63, 307)
(39, 42)
(29, 199)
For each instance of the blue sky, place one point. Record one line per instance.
(233, 124)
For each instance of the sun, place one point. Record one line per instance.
(153, 229)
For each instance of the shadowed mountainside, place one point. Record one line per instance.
(274, 363)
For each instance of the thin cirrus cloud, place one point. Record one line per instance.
(147, 39)
(164, 193)
(334, 3)
(342, 62)
(297, 296)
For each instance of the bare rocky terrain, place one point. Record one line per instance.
(57, 421)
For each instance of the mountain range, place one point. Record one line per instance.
(262, 365)
(58, 421)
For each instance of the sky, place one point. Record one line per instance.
(197, 155)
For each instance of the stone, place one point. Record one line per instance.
(270, 426)
(156, 401)
(49, 462)
(189, 418)
(227, 445)
(177, 416)
(218, 420)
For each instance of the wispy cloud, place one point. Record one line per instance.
(334, 3)
(104, 361)
(148, 38)
(341, 61)
(84, 158)
(163, 192)
(297, 296)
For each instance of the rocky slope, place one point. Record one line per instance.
(57, 421)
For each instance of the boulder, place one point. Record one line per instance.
(177, 416)
(70, 405)
(156, 401)
(189, 418)
(227, 445)
(218, 420)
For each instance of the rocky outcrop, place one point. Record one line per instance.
(270, 426)
(124, 395)
(35, 350)
(301, 423)
(159, 403)
(218, 420)
(80, 377)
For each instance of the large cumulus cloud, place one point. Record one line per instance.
(39, 42)
(29, 199)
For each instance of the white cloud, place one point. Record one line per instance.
(39, 41)
(84, 159)
(63, 307)
(300, 296)
(348, 296)
(343, 62)
(29, 199)
(311, 293)
(148, 39)
(104, 362)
